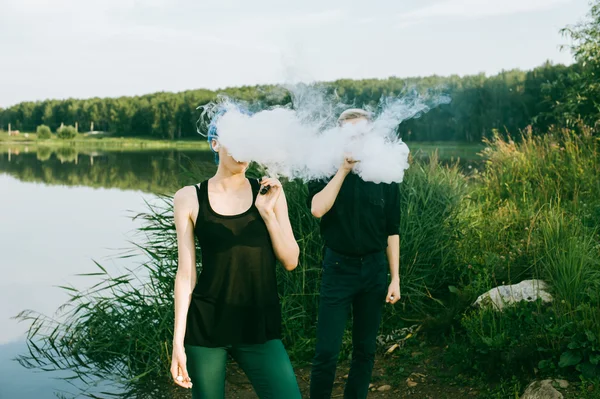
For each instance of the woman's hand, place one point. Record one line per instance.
(179, 368)
(265, 203)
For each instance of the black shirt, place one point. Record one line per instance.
(235, 300)
(362, 217)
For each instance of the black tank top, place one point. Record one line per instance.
(235, 300)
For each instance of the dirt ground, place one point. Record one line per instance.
(424, 381)
(413, 373)
(421, 386)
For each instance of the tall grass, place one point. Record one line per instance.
(568, 257)
(562, 165)
(535, 213)
(431, 201)
(522, 177)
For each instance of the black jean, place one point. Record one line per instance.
(360, 284)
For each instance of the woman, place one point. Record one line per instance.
(234, 308)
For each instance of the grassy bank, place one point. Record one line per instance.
(102, 142)
(532, 212)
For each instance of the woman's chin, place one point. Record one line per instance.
(239, 167)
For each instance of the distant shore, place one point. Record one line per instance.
(103, 141)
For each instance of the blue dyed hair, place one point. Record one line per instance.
(213, 134)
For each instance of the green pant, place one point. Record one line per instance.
(267, 366)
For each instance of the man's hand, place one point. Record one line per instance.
(348, 164)
(393, 294)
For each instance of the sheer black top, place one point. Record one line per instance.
(235, 300)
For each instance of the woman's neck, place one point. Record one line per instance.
(227, 180)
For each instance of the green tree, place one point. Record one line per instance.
(506, 102)
(43, 132)
(66, 132)
(583, 100)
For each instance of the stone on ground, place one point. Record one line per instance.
(506, 295)
(541, 390)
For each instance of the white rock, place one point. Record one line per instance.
(384, 388)
(541, 390)
(504, 295)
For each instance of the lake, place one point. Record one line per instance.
(63, 208)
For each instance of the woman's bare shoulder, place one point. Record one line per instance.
(185, 197)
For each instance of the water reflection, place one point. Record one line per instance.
(154, 171)
(48, 234)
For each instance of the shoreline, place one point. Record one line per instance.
(108, 142)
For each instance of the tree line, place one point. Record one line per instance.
(506, 102)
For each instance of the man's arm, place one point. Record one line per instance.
(323, 201)
(393, 255)
(392, 203)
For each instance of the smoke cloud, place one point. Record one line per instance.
(303, 140)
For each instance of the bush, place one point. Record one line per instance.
(532, 335)
(43, 132)
(502, 344)
(66, 132)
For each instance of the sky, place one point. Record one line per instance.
(109, 48)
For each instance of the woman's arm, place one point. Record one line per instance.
(274, 211)
(185, 279)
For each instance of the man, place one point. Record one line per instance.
(359, 223)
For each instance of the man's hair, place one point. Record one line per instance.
(354, 113)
